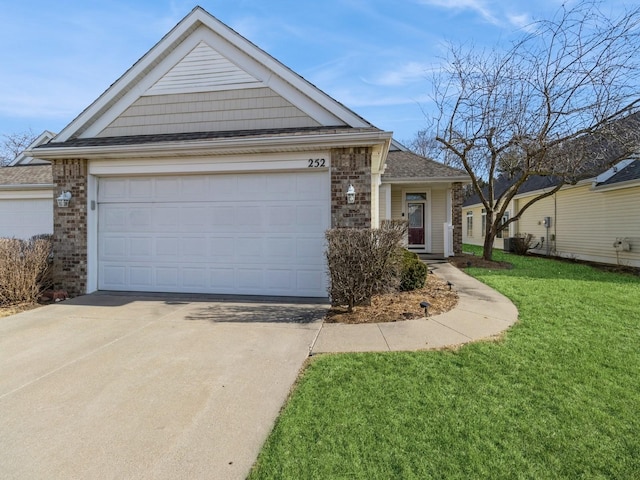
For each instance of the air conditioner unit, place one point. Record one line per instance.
(508, 244)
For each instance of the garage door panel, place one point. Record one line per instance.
(195, 278)
(141, 277)
(194, 247)
(238, 234)
(223, 215)
(165, 219)
(222, 280)
(141, 247)
(281, 248)
(141, 189)
(166, 279)
(222, 248)
(167, 246)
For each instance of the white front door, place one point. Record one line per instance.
(254, 233)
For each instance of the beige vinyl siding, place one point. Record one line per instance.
(585, 223)
(227, 110)
(382, 202)
(532, 222)
(438, 217)
(477, 237)
(203, 69)
(397, 207)
(589, 222)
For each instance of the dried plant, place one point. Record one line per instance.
(364, 262)
(25, 270)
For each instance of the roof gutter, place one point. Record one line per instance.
(27, 186)
(215, 146)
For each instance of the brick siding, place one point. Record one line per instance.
(70, 227)
(351, 166)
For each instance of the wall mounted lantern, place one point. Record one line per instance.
(63, 199)
(351, 194)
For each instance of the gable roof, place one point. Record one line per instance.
(24, 158)
(231, 61)
(533, 183)
(408, 166)
(23, 176)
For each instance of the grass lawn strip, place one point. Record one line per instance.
(558, 397)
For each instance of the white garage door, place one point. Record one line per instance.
(247, 234)
(26, 217)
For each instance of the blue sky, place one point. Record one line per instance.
(374, 56)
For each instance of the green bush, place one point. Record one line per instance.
(414, 272)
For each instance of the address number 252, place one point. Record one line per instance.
(316, 163)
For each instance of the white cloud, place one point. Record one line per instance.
(397, 77)
(492, 12)
(478, 6)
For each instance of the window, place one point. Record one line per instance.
(415, 197)
(469, 223)
(504, 220)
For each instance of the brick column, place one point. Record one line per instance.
(351, 166)
(456, 216)
(70, 227)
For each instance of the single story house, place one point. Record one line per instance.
(211, 167)
(596, 220)
(26, 195)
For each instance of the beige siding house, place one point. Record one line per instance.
(26, 195)
(210, 167)
(597, 220)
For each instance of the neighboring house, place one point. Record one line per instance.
(211, 167)
(26, 195)
(596, 220)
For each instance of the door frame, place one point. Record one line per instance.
(426, 248)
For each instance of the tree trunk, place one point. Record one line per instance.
(487, 248)
(489, 237)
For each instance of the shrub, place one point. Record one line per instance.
(364, 262)
(522, 243)
(24, 269)
(414, 272)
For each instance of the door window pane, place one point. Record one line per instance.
(416, 215)
(416, 196)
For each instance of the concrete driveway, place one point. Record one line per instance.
(122, 386)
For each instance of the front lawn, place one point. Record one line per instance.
(558, 397)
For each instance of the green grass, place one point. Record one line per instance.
(558, 397)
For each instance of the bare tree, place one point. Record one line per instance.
(559, 102)
(14, 144)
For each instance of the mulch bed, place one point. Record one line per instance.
(393, 307)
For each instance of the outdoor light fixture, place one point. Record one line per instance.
(63, 199)
(351, 194)
(426, 306)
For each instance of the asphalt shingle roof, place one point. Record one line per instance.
(630, 172)
(26, 175)
(407, 165)
(194, 136)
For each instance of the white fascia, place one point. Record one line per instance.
(219, 146)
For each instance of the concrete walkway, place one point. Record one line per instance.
(481, 313)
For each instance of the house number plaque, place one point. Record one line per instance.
(316, 163)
